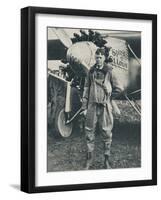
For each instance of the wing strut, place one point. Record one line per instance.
(134, 105)
(138, 60)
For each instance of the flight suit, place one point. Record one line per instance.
(97, 100)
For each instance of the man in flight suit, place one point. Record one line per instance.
(97, 105)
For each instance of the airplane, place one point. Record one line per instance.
(70, 56)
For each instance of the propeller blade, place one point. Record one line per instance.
(63, 36)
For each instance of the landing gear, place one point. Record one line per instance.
(62, 129)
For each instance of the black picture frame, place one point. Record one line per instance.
(28, 98)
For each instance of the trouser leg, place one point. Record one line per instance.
(90, 124)
(106, 124)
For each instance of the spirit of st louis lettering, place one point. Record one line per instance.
(119, 58)
(118, 53)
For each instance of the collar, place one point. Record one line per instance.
(104, 68)
(100, 68)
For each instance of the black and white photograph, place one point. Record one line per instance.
(89, 91)
(93, 99)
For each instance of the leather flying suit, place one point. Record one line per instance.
(97, 100)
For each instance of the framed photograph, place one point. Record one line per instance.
(88, 99)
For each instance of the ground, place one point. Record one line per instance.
(69, 154)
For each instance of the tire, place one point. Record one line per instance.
(62, 129)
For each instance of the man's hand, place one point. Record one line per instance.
(84, 112)
(116, 110)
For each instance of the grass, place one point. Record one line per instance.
(128, 114)
(69, 154)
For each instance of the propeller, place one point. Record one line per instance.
(63, 36)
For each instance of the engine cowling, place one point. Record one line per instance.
(81, 56)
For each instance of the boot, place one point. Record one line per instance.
(89, 160)
(106, 162)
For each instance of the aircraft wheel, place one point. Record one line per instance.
(62, 129)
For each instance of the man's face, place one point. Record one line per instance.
(99, 59)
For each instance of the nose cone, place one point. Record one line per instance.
(82, 51)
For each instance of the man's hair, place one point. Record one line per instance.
(101, 51)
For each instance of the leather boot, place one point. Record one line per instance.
(106, 162)
(89, 160)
